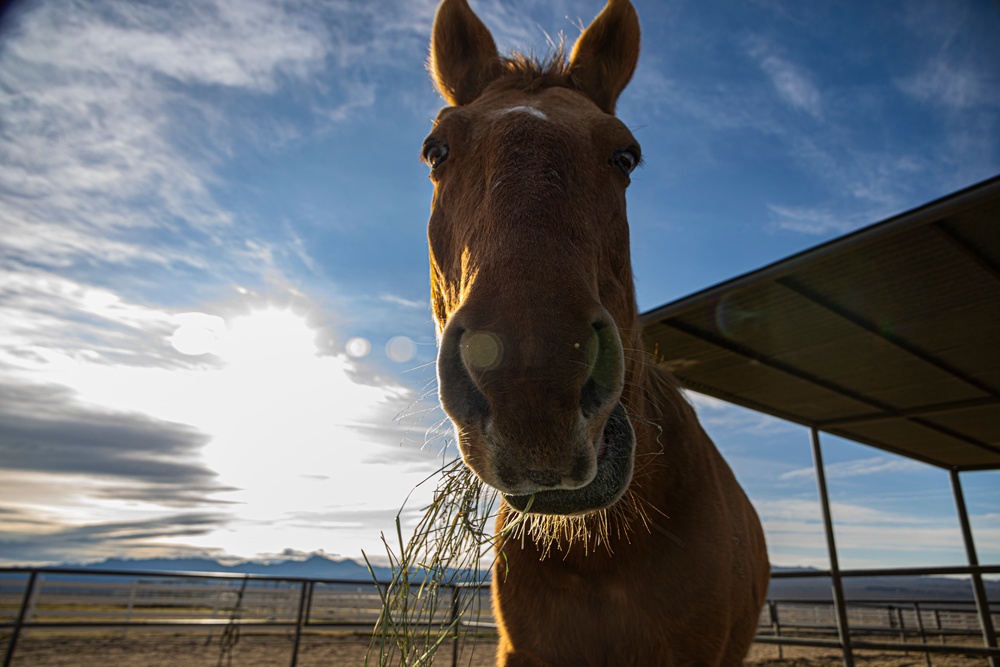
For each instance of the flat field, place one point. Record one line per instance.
(325, 650)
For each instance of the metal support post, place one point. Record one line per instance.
(978, 590)
(839, 604)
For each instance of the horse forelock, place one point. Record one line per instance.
(532, 73)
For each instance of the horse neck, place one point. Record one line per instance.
(652, 396)
(671, 446)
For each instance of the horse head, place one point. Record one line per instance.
(531, 276)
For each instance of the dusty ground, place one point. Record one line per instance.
(762, 655)
(187, 650)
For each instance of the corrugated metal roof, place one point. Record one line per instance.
(889, 336)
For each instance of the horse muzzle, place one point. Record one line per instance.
(537, 410)
(614, 473)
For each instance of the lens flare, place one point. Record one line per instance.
(357, 347)
(400, 349)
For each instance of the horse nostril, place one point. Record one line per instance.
(460, 396)
(592, 398)
(604, 359)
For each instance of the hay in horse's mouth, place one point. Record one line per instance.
(614, 472)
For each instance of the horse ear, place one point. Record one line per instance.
(605, 55)
(464, 58)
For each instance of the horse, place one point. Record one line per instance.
(629, 540)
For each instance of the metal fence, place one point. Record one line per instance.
(886, 625)
(68, 599)
(128, 601)
(921, 626)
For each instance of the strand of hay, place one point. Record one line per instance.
(449, 546)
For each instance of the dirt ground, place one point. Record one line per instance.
(187, 650)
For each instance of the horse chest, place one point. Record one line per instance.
(600, 595)
(577, 610)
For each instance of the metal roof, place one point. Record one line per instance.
(889, 336)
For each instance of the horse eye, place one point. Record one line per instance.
(434, 153)
(626, 160)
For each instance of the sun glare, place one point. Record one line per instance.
(198, 333)
(261, 335)
(289, 428)
(270, 334)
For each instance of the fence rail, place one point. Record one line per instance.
(48, 599)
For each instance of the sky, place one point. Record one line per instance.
(215, 335)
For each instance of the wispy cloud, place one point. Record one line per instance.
(91, 161)
(793, 83)
(402, 301)
(858, 468)
(957, 87)
(730, 418)
(768, 94)
(957, 71)
(140, 538)
(117, 117)
(864, 535)
(46, 316)
(41, 429)
(816, 221)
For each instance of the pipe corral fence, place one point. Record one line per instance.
(123, 601)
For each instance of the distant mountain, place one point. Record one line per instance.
(878, 588)
(322, 567)
(314, 567)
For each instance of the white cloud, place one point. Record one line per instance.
(116, 115)
(241, 44)
(718, 414)
(858, 468)
(45, 316)
(809, 220)
(865, 536)
(946, 84)
(793, 83)
(957, 70)
(402, 301)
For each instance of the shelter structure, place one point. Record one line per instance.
(888, 336)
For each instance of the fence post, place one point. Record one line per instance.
(133, 592)
(453, 619)
(300, 619)
(902, 626)
(920, 628)
(29, 594)
(776, 625)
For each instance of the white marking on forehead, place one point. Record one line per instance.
(531, 111)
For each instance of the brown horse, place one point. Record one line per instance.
(634, 544)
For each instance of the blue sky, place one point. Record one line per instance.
(214, 327)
